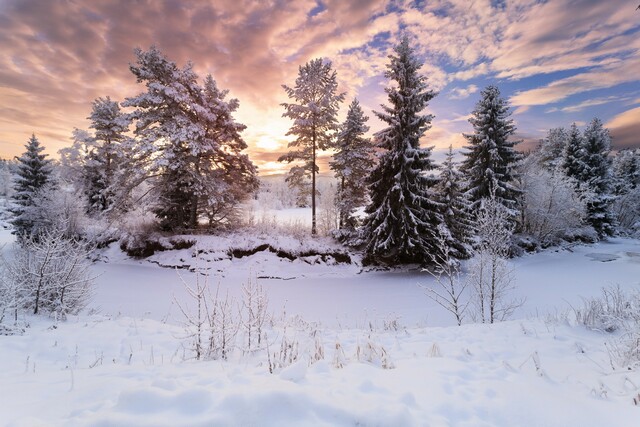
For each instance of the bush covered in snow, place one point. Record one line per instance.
(47, 274)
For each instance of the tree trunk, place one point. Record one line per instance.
(313, 185)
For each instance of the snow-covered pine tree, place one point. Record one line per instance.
(314, 111)
(103, 164)
(34, 172)
(403, 214)
(188, 138)
(552, 148)
(573, 155)
(456, 210)
(491, 159)
(626, 170)
(626, 173)
(352, 164)
(597, 144)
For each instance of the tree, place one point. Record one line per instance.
(626, 176)
(586, 160)
(552, 148)
(313, 112)
(51, 273)
(104, 161)
(34, 172)
(188, 143)
(552, 207)
(456, 210)
(403, 214)
(451, 289)
(351, 164)
(490, 273)
(491, 159)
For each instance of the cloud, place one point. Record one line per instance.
(462, 93)
(57, 56)
(605, 77)
(586, 104)
(625, 129)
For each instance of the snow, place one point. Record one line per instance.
(124, 362)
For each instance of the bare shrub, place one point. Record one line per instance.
(49, 273)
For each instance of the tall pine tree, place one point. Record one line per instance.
(352, 164)
(314, 114)
(34, 172)
(597, 144)
(456, 210)
(491, 159)
(403, 215)
(573, 156)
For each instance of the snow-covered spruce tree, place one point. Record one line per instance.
(586, 160)
(491, 159)
(456, 210)
(314, 111)
(188, 143)
(626, 176)
(104, 162)
(34, 172)
(403, 214)
(352, 164)
(573, 155)
(552, 148)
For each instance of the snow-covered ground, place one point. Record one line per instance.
(391, 356)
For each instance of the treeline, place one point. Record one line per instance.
(178, 152)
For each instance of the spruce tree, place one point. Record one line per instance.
(597, 144)
(573, 156)
(491, 159)
(552, 148)
(403, 215)
(104, 161)
(314, 114)
(456, 210)
(33, 173)
(352, 164)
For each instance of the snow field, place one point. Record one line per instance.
(390, 355)
(94, 371)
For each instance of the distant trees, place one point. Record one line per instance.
(491, 159)
(33, 174)
(352, 163)
(403, 214)
(314, 113)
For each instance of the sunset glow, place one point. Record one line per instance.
(558, 62)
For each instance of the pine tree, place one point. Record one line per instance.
(34, 172)
(626, 172)
(313, 112)
(573, 156)
(352, 164)
(188, 138)
(552, 148)
(105, 159)
(491, 160)
(456, 210)
(403, 215)
(597, 144)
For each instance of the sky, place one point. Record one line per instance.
(557, 62)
